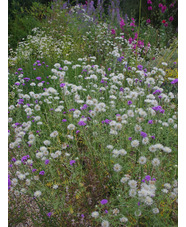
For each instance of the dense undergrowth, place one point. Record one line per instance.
(93, 122)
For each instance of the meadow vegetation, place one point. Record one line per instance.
(92, 116)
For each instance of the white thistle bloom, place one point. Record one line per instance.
(37, 193)
(135, 143)
(95, 214)
(155, 162)
(142, 160)
(71, 127)
(117, 167)
(105, 223)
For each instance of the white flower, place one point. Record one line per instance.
(155, 162)
(138, 128)
(95, 214)
(54, 134)
(135, 143)
(145, 140)
(164, 190)
(137, 213)
(167, 186)
(148, 201)
(152, 148)
(132, 192)
(122, 152)
(17, 163)
(39, 155)
(110, 147)
(132, 184)
(124, 179)
(167, 149)
(115, 211)
(21, 176)
(55, 186)
(71, 127)
(155, 210)
(37, 193)
(46, 142)
(123, 219)
(130, 113)
(142, 160)
(105, 223)
(117, 167)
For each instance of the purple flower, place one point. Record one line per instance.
(39, 65)
(38, 78)
(13, 160)
(148, 21)
(150, 121)
(148, 178)
(49, 214)
(174, 81)
(64, 120)
(62, 85)
(104, 201)
(138, 203)
(34, 170)
(109, 69)
(154, 179)
(47, 161)
(121, 89)
(42, 172)
(106, 211)
(129, 102)
(143, 134)
(82, 215)
(143, 181)
(78, 131)
(81, 123)
(72, 162)
(130, 138)
(153, 137)
(140, 67)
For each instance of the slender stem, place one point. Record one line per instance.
(138, 30)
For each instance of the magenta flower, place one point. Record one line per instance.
(149, 8)
(148, 21)
(149, 2)
(104, 201)
(160, 5)
(113, 32)
(171, 19)
(163, 8)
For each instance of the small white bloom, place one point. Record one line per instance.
(37, 193)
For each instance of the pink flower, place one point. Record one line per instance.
(149, 7)
(163, 8)
(171, 18)
(149, 2)
(113, 32)
(160, 5)
(148, 21)
(122, 24)
(166, 24)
